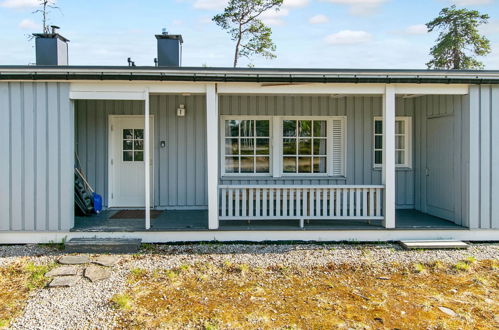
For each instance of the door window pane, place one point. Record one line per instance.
(138, 134)
(138, 156)
(128, 134)
(138, 145)
(128, 145)
(128, 156)
(133, 144)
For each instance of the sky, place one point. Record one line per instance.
(385, 34)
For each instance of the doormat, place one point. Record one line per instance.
(135, 214)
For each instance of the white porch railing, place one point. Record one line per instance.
(339, 202)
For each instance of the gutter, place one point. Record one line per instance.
(289, 76)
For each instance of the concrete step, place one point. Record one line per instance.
(103, 245)
(436, 244)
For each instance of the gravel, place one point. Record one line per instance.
(86, 304)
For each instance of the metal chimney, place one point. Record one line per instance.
(51, 48)
(169, 49)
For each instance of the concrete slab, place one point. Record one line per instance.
(437, 244)
(103, 245)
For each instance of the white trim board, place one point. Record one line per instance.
(258, 236)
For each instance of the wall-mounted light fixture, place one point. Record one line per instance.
(181, 110)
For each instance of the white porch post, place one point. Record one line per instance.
(388, 170)
(147, 168)
(212, 153)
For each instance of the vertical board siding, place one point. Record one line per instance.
(36, 171)
(360, 112)
(179, 168)
(484, 157)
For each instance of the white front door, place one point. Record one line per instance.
(126, 170)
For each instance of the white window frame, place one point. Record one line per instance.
(276, 146)
(222, 145)
(407, 120)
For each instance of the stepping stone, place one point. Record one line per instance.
(73, 260)
(447, 311)
(62, 271)
(95, 273)
(63, 281)
(106, 260)
(438, 244)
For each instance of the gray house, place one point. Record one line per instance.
(187, 154)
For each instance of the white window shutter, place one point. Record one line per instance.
(338, 146)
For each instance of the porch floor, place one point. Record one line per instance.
(197, 220)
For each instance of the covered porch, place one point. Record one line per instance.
(368, 190)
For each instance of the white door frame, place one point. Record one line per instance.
(110, 152)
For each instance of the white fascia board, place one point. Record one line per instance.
(339, 88)
(109, 95)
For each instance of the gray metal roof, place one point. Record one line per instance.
(214, 74)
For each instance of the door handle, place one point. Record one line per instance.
(427, 171)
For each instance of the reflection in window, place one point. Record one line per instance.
(401, 141)
(133, 145)
(247, 146)
(304, 146)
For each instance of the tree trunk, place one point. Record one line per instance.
(236, 53)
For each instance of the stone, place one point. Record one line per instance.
(96, 273)
(384, 278)
(73, 260)
(447, 311)
(62, 271)
(63, 281)
(106, 260)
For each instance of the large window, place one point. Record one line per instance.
(402, 142)
(283, 146)
(304, 146)
(247, 146)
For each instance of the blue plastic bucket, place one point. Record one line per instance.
(97, 202)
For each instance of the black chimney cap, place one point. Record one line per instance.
(170, 36)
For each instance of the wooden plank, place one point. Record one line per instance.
(278, 203)
(344, 197)
(438, 244)
(371, 202)
(358, 203)
(292, 210)
(364, 201)
(250, 202)
(474, 153)
(230, 209)
(5, 163)
(485, 151)
(495, 157)
(257, 204)
(237, 201)
(244, 202)
(331, 202)
(271, 202)
(285, 203)
(265, 209)
(351, 207)
(378, 202)
(223, 193)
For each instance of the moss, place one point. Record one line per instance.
(122, 302)
(462, 266)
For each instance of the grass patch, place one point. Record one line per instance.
(16, 282)
(231, 295)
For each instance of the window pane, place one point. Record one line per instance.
(247, 147)
(247, 128)
(128, 156)
(305, 146)
(320, 165)
(262, 146)
(127, 145)
(320, 147)
(232, 128)
(378, 157)
(289, 146)
(289, 164)
(138, 156)
(378, 142)
(262, 128)
(289, 128)
(128, 134)
(231, 164)
(320, 128)
(138, 145)
(139, 134)
(247, 165)
(304, 164)
(400, 157)
(399, 127)
(231, 146)
(378, 127)
(262, 165)
(305, 127)
(399, 142)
